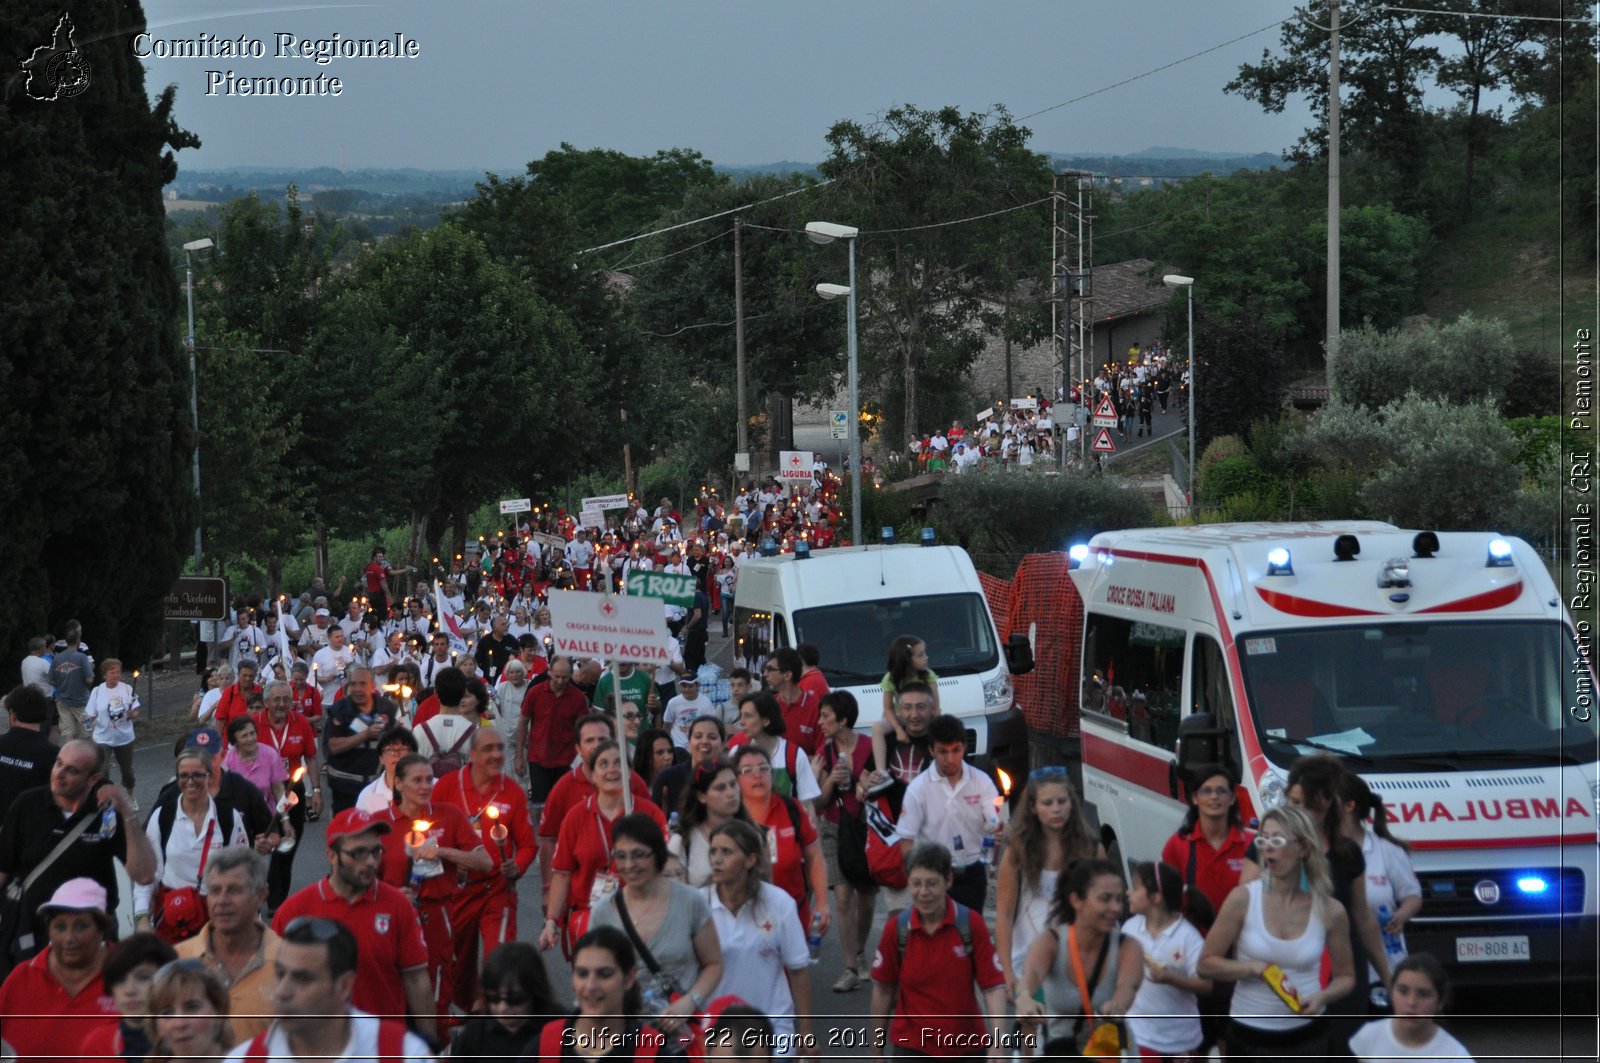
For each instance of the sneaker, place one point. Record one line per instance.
(848, 982)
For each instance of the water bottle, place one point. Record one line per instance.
(672, 825)
(988, 849)
(1393, 944)
(653, 1001)
(814, 937)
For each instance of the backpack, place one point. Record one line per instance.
(884, 860)
(443, 761)
(789, 756)
(391, 1044)
(902, 929)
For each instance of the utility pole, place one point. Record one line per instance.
(1333, 177)
(742, 444)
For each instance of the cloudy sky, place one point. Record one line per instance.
(498, 82)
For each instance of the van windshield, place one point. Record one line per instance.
(853, 639)
(1474, 695)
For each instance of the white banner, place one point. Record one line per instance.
(795, 465)
(1029, 403)
(516, 505)
(591, 518)
(606, 502)
(611, 627)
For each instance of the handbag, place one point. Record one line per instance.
(16, 933)
(178, 914)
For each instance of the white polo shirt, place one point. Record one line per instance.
(759, 944)
(361, 1048)
(954, 814)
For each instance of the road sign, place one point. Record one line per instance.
(610, 627)
(606, 502)
(515, 505)
(1105, 414)
(838, 424)
(1102, 442)
(672, 587)
(197, 598)
(795, 465)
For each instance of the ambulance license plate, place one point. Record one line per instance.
(1509, 948)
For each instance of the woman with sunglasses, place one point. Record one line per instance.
(712, 798)
(581, 871)
(189, 1010)
(607, 1023)
(1048, 836)
(518, 1002)
(765, 958)
(796, 850)
(667, 923)
(1269, 939)
(426, 853)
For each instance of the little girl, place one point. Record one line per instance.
(518, 1001)
(1164, 1020)
(1418, 995)
(908, 660)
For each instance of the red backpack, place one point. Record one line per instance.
(884, 860)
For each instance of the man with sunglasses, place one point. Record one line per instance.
(392, 958)
(316, 977)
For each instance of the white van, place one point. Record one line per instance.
(851, 603)
(1443, 668)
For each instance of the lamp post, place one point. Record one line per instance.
(1176, 280)
(194, 381)
(823, 232)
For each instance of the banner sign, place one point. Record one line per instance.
(611, 628)
(606, 502)
(197, 598)
(672, 587)
(795, 465)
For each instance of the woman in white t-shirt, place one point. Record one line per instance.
(1393, 893)
(1420, 992)
(711, 798)
(1164, 1019)
(217, 680)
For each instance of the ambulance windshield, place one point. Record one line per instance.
(1479, 695)
(853, 639)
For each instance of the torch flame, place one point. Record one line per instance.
(492, 812)
(421, 826)
(299, 773)
(1005, 781)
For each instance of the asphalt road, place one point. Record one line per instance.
(1508, 1022)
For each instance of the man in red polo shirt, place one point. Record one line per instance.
(393, 961)
(63, 983)
(483, 911)
(929, 987)
(546, 736)
(812, 681)
(570, 790)
(285, 728)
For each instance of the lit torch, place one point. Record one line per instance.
(497, 833)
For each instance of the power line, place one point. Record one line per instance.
(669, 254)
(708, 217)
(914, 228)
(1486, 14)
(1157, 70)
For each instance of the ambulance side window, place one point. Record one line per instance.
(1133, 673)
(1209, 689)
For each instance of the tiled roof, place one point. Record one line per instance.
(1121, 289)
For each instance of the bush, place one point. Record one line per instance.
(1013, 514)
(1469, 360)
(1231, 477)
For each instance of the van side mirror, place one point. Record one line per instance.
(1199, 742)
(1019, 654)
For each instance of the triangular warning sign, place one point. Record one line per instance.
(1102, 442)
(1105, 409)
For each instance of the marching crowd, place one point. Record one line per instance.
(689, 866)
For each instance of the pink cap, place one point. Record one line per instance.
(77, 895)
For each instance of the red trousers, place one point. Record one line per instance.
(484, 917)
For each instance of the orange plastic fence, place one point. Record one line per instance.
(1041, 597)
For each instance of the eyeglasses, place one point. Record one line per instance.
(630, 716)
(368, 852)
(1214, 791)
(1049, 771)
(631, 856)
(770, 668)
(1272, 841)
(756, 769)
(192, 776)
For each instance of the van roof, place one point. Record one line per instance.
(856, 573)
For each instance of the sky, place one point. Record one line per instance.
(496, 83)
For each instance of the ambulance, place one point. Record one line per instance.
(1441, 667)
(851, 603)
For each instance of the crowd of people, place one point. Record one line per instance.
(691, 862)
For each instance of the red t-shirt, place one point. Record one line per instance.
(35, 1006)
(427, 710)
(570, 790)
(293, 740)
(388, 939)
(800, 718)
(1216, 871)
(450, 829)
(308, 699)
(787, 847)
(936, 1000)
(232, 704)
(375, 573)
(509, 800)
(551, 735)
(583, 848)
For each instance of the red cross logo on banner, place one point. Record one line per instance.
(608, 609)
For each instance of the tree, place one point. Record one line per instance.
(94, 393)
(1468, 360)
(1242, 375)
(611, 195)
(923, 284)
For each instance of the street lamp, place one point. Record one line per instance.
(194, 382)
(1177, 280)
(825, 232)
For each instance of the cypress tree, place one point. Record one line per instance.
(94, 436)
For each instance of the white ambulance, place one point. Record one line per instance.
(851, 603)
(1443, 668)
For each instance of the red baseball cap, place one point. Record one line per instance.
(353, 821)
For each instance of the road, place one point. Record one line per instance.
(1509, 1022)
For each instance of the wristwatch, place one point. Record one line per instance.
(699, 1001)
